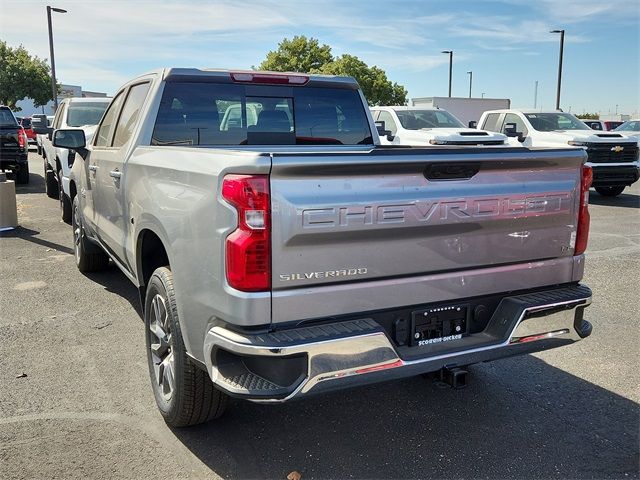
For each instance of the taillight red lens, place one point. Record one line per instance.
(248, 247)
(582, 234)
(22, 138)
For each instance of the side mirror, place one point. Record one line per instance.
(473, 124)
(73, 139)
(510, 130)
(382, 130)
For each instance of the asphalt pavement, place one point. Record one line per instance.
(75, 398)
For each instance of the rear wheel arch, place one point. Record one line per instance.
(151, 254)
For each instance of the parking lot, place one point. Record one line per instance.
(75, 399)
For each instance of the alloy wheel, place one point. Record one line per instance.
(160, 345)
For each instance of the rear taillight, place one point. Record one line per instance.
(248, 247)
(22, 138)
(582, 234)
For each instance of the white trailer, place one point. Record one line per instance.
(465, 109)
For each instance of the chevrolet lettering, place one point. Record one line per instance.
(280, 251)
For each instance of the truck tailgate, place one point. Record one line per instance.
(400, 213)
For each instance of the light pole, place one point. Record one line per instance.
(535, 95)
(54, 90)
(483, 94)
(450, 52)
(470, 82)
(561, 32)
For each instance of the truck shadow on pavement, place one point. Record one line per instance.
(114, 281)
(519, 418)
(32, 236)
(626, 200)
(35, 185)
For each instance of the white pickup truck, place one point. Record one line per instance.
(613, 157)
(73, 112)
(421, 126)
(288, 253)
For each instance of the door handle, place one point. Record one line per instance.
(93, 168)
(115, 174)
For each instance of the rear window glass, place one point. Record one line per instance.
(6, 117)
(26, 122)
(227, 114)
(80, 114)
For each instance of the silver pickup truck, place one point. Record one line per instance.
(286, 253)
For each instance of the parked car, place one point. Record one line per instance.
(14, 146)
(602, 125)
(25, 123)
(613, 157)
(402, 125)
(44, 121)
(293, 254)
(630, 129)
(72, 112)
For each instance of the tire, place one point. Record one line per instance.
(610, 191)
(89, 257)
(22, 176)
(50, 182)
(39, 150)
(184, 393)
(65, 203)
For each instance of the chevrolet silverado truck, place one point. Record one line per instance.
(14, 146)
(420, 126)
(613, 156)
(288, 253)
(74, 112)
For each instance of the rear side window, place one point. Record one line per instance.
(130, 114)
(491, 122)
(229, 114)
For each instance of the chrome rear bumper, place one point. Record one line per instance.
(280, 366)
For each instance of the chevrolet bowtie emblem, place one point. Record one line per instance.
(617, 149)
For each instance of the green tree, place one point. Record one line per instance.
(377, 88)
(302, 54)
(589, 116)
(23, 75)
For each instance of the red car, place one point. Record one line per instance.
(25, 122)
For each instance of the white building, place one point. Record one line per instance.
(28, 108)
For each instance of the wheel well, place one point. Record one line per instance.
(72, 190)
(152, 255)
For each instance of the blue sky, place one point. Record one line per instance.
(506, 43)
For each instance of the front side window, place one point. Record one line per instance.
(57, 120)
(87, 113)
(548, 122)
(103, 136)
(514, 119)
(423, 119)
(228, 114)
(130, 113)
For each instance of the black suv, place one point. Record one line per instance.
(14, 147)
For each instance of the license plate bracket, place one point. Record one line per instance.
(438, 324)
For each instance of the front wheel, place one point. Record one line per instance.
(89, 257)
(50, 182)
(184, 393)
(610, 191)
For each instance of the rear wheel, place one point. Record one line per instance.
(184, 393)
(22, 176)
(65, 203)
(89, 257)
(610, 191)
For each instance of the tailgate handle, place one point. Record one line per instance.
(451, 171)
